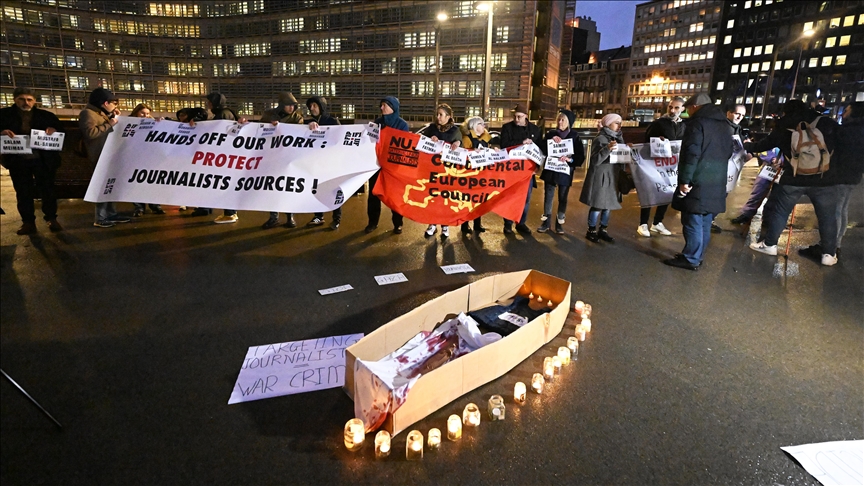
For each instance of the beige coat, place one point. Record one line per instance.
(95, 127)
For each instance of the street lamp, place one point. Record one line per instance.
(441, 18)
(804, 35)
(487, 7)
(755, 89)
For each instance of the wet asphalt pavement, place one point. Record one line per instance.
(132, 337)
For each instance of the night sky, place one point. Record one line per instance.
(614, 20)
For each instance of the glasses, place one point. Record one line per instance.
(739, 115)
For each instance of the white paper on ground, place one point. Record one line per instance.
(275, 370)
(391, 278)
(458, 268)
(334, 290)
(832, 463)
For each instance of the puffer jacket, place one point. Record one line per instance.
(704, 162)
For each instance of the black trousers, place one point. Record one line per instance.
(32, 180)
(645, 214)
(373, 207)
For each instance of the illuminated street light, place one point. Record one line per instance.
(442, 17)
(487, 7)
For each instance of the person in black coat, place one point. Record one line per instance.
(443, 129)
(669, 127)
(40, 166)
(319, 115)
(554, 179)
(389, 118)
(702, 168)
(215, 102)
(517, 132)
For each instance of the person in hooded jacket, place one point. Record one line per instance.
(600, 190)
(553, 179)
(474, 136)
(389, 106)
(287, 111)
(144, 111)
(319, 115)
(215, 102)
(702, 168)
(668, 127)
(444, 128)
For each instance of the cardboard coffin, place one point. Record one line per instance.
(455, 378)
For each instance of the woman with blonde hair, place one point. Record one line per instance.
(600, 190)
(144, 111)
(474, 137)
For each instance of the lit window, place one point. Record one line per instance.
(754, 67)
(766, 66)
(788, 64)
(826, 61)
(499, 61)
(747, 51)
(769, 49)
(316, 46)
(844, 40)
(807, 26)
(423, 64)
(745, 68)
(389, 66)
(318, 89)
(861, 20)
(737, 53)
(291, 25)
(419, 39)
(348, 111)
(216, 50)
(720, 85)
(757, 51)
(841, 60)
(697, 27)
(245, 50)
(730, 24)
(502, 34)
(422, 88)
(734, 69)
(727, 40)
(835, 22)
(814, 61)
(79, 82)
(471, 62)
(748, 4)
(849, 21)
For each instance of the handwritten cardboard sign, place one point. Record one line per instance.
(41, 140)
(18, 145)
(274, 370)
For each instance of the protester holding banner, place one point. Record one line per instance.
(667, 127)
(702, 169)
(286, 111)
(444, 128)
(215, 102)
(35, 171)
(474, 136)
(554, 177)
(389, 106)
(319, 115)
(144, 111)
(600, 190)
(95, 121)
(517, 132)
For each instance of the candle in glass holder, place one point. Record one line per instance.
(471, 415)
(573, 346)
(537, 383)
(433, 440)
(586, 323)
(454, 427)
(382, 444)
(414, 446)
(586, 312)
(580, 332)
(497, 408)
(355, 434)
(557, 363)
(564, 355)
(579, 307)
(548, 369)
(519, 392)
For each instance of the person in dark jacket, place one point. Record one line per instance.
(517, 132)
(215, 102)
(444, 128)
(702, 169)
(39, 167)
(319, 115)
(553, 179)
(474, 136)
(186, 115)
(287, 111)
(600, 190)
(820, 188)
(389, 118)
(668, 127)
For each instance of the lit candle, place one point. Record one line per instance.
(382, 444)
(497, 408)
(548, 369)
(454, 427)
(531, 295)
(537, 383)
(414, 446)
(578, 307)
(550, 304)
(556, 362)
(471, 415)
(433, 440)
(564, 355)
(580, 332)
(573, 345)
(586, 323)
(355, 434)
(586, 312)
(519, 392)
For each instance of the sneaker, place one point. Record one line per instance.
(137, 213)
(659, 228)
(226, 219)
(430, 230)
(270, 223)
(335, 224)
(761, 247)
(812, 251)
(181, 208)
(27, 228)
(119, 219)
(829, 260)
(290, 223)
(715, 228)
(445, 232)
(158, 211)
(742, 219)
(642, 230)
(315, 222)
(523, 229)
(370, 228)
(103, 224)
(53, 225)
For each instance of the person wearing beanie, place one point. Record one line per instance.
(287, 111)
(444, 128)
(668, 127)
(600, 190)
(474, 136)
(555, 179)
(30, 172)
(215, 103)
(389, 106)
(702, 169)
(319, 115)
(520, 131)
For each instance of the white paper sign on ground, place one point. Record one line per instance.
(565, 147)
(274, 370)
(458, 268)
(660, 148)
(391, 278)
(42, 141)
(557, 165)
(832, 463)
(18, 145)
(335, 290)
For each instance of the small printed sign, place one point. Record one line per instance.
(41, 140)
(319, 133)
(374, 131)
(560, 149)
(391, 278)
(19, 145)
(555, 164)
(426, 145)
(335, 290)
(458, 268)
(513, 319)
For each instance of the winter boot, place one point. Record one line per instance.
(604, 235)
(592, 234)
(544, 227)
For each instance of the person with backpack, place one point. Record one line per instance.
(667, 127)
(806, 140)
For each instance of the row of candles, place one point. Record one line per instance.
(355, 431)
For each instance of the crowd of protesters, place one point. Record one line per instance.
(706, 146)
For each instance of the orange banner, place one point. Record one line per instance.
(425, 189)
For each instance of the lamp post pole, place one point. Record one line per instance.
(797, 69)
(767, 98)
(487, 83)
(437, 61)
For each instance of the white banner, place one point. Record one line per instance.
(42, 141)
(656, 178)
(291, 169)
(18, 145)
